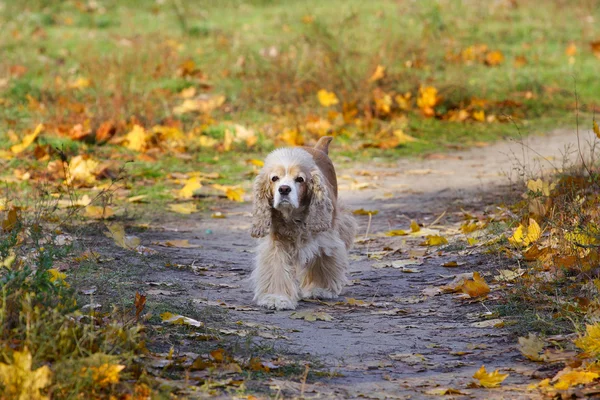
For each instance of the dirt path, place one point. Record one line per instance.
(404, 343)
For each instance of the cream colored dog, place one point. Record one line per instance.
(306, 234)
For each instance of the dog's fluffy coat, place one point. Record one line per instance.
(305, 232)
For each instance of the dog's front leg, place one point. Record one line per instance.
(274, 277)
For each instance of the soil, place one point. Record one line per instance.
(403, 342)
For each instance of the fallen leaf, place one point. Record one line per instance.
(596, 129)
(531, 347)
(311, 316)
(204, 104)
(20, 381)
(494, 58)
(181, 243)
(396, 232)
(191, 185)
(326, 98)
(183, 208)
(489, 323)
(434, 240)
(525, 236)
(378, 74)
(443, 392)
(139, 303)
(571, 50)
(137, 139)
(590, 341)
(489, 380)
(117, 233)
(362, 211)
(476, 287)
(176, 319)
(98, 212)
(570, 378)
(27, 140)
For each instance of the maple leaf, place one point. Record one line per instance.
(525, 236)
(191, 185)
(27, 140)
(476, 287)
(567, 379)
(137, 139)
(590, 342)
(434, 240)
(20, 381)
(489, 380)
(531, 347)
(378, 74)
(327, 99)
(105, 374)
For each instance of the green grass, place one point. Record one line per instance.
(134, 55)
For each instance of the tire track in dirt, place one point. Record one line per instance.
(407, 343)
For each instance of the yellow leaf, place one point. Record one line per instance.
(137, 139)
(176, 319)
(489, 380)
(82, 170)
(571, 50)
(218, 215)
(185, 208)
(311, 316)
(478, 116)
(27, 140)
(526, 236)
(58, 277)
(397, 232)
(434, 240)
(362, 211)
(106, 374)
(292, 137)
(414, 227)
(531, 347)
(182, 243)
(258, 163)
(596, 129)
(570, 378)
(20, 381)
(232, 192)
(494, 58)
(378, 74)
(427, 99)
(326, 98)
(117, 233)
(469, 227)
(97, 212)
(403, 100)
(191, 185)
(204, 105)
(80, 83)
(137, 199)
(207, 141)
(472, 241)
(590, 342)
(402, 137)
(476, 287)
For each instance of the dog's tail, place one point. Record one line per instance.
(323, 144)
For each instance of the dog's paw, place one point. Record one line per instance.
(276, 302)
(319, 293)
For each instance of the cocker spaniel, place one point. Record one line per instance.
(306, 233)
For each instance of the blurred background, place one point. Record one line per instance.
(175, 85)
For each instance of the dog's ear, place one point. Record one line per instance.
(261, 207)
(320, 209)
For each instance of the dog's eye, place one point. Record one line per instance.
(299, 179)
(275, 178)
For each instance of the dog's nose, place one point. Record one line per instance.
(284, 189)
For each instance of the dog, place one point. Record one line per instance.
(306, 233)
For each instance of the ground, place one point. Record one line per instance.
(390, 335)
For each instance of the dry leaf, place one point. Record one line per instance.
(20, 381)
(182, 243)
(183, 208)
(476, 287)
(326, 98)
(434, 240)
(98, 212)
(489, 380)
(566, 379)
(362, 211)
(378, 74)
(531, 347)
(176, 319)
(191, 185)
(526, 236)
(27, 140)
(311, 316)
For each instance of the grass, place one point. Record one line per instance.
(75, 66)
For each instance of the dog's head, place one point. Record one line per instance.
(291, 183)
